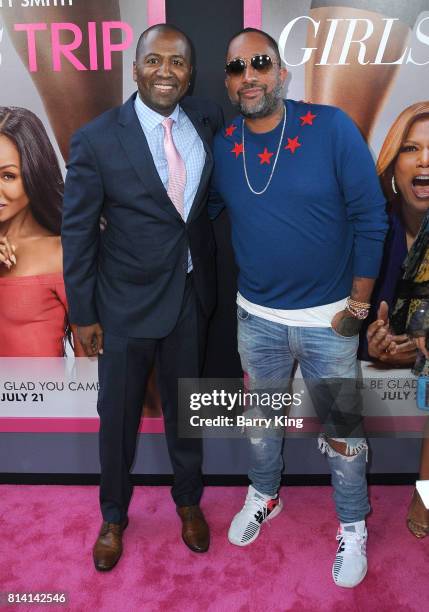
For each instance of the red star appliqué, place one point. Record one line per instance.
(265, 156)
(238, 148)
(308, 118)
(292, 144)
(230, 130)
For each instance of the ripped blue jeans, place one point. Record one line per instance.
(268, 352)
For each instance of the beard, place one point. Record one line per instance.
(267, 105)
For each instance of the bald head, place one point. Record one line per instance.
(255, 35)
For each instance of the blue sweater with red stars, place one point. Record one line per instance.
(322, 219)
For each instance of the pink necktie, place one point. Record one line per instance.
(176, 169)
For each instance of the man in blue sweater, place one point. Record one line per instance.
(308, 224)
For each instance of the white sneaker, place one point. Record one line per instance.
(257, 509)
(350, 563)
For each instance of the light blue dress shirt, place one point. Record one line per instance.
(188, 144)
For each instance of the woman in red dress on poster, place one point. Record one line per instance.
(33, 307)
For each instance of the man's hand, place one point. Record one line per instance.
(390, 349)
(345, 324)
(91, 338)
(339, 316)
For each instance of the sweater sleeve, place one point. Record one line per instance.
(362, 194)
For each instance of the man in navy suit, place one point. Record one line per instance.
(142, 290)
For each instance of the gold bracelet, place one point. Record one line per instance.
(359, 310)
(356, 304)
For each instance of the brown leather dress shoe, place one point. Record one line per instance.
(108, 547)
(195, 531)
(418, 517)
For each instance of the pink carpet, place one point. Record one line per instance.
(47, 532)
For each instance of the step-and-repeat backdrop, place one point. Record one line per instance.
(69, 60)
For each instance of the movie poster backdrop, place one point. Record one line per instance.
(69, 60)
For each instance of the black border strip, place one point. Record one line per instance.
(210, 480)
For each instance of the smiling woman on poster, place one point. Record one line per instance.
(33, 307)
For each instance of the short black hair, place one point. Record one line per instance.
(271, 41)
(165, 27)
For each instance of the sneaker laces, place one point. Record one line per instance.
(352, 541)
(256, 506)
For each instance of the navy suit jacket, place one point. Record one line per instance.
(130, 277)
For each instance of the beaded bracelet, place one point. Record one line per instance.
(360, 310)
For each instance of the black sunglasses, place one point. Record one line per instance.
(261, 63)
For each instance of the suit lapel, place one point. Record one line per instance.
(202, 126)
(137, 150)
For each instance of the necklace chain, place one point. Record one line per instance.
(275, 159)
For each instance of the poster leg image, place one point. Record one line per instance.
(342, 85)
(71, 97)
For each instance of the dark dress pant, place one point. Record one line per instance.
(124, 370)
